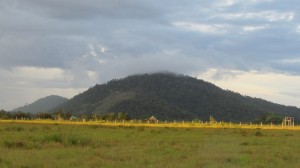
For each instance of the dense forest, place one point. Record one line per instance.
(173, 97)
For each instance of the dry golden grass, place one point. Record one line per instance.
(159, 124)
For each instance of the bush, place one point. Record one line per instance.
(14, 144)
(57, 138)
(78, 141)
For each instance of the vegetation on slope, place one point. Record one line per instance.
(171, 97)
(43, 104)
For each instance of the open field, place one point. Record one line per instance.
(67, 144)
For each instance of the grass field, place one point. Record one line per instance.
(39, 145)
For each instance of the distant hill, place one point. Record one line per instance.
(43, 104)
(171, 97)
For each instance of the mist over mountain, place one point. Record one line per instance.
(171, 97)
(43, 105)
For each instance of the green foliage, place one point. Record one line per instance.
(268, 118)
(24, 116)
(57, 138)
(43, 115)
(171, 97)
(14, 144)
(4, 115)
(212, 120)
(111, 116)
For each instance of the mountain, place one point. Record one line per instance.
(43, 104)
(171, 97)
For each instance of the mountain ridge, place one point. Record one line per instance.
(43, 104)
(170, 96)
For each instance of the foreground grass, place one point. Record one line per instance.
(57, 145)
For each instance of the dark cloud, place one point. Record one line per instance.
(91, 9)
(93, 41)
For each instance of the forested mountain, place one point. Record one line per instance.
(171, 97)
(43, 104)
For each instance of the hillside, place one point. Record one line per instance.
(169, 97)
(43, 104)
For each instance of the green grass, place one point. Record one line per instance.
(42, 145)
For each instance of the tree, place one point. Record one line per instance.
(4, 115)
(21, 115)
(43, 115)
(84, 117)
(96, 117)
(58, 115)
(67, 115)
(270, 118)
(212, 120)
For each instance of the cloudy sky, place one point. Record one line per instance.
(62, 47)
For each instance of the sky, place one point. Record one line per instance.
(63, 47)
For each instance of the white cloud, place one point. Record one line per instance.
(205, 28)
(289, 61)
(229, 3)
(92, 75)
(22, 85)
(254, 28)
(39, 73)
(224, 3)
(97, 52)
(271, 16)
(298, 28)
(276, 87)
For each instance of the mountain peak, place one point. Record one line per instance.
(170, 96)
(43, 104)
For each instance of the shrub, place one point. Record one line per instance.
(78, 141)
(57, 138)
(258, 133)
(14, 144)
(15, 128)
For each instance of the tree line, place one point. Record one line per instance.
(60, 115)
